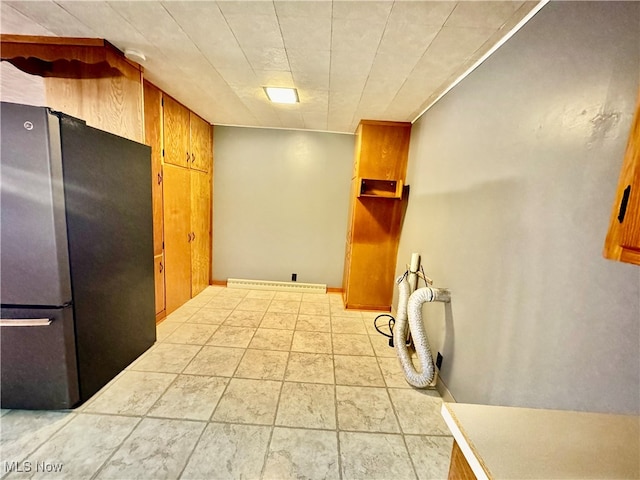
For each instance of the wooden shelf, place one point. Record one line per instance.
(375, 188)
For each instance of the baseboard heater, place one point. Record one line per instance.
(279, 286)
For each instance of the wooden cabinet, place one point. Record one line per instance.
(177, 235)
(375, 214)
(182, 154)
(200, 143)
(188, 143)
(158, 262)
(153, 138)
(459, 468)
(623, 238)
(187, 179)
(176, 136)
(200, 231)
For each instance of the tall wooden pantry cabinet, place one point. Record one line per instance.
(375, 213)
(186, 179)
(153, 138)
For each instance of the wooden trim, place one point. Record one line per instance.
(630, 256)
(376, 308)
(161, 316)
(66, 57)
(335, 290)
(212, 205)
(385, 123)
(76, 41)
(220, 283)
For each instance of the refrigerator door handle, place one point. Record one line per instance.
(25, 322)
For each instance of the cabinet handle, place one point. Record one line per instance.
(159, 178)
(189, 235)
(194, 236)
(161, 267)
(623, 203)
(187, 157)
(193, 157)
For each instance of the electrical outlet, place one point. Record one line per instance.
(439, 361)
(294, 277)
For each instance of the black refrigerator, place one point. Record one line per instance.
(76, 257)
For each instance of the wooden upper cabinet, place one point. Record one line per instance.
(623, 238)
(176, 133)
(201, 143)
(382, 149)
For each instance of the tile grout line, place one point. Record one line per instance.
(49, 437)
(402, 433)
(195, 445)
(335, 392)
(275, 414)
(116, 449)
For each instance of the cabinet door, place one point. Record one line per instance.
(176, 133)
(201, 147)
(177, 236)
(201, 231)
(384, 149)
(623, 238)
(158, 261)
(153, 138)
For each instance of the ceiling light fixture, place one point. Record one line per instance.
(282, 95)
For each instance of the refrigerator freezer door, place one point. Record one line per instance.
(110, 229)
(38, 368)
(33, 233)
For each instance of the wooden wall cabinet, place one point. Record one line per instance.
(187, 179)
(182, 154)
(623, 238)
(376, 208)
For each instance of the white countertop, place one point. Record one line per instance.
(520, 443)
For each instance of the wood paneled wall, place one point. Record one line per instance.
(87, 78)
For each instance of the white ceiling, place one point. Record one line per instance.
(349, 60)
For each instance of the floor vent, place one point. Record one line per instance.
(279, 286)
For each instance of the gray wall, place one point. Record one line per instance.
(512, 177)
(281, 200)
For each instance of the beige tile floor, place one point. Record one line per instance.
(245, 384)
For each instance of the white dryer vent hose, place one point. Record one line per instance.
(409, 317)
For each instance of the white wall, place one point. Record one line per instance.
(512, 177)
(17, 86)
(281, 200)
